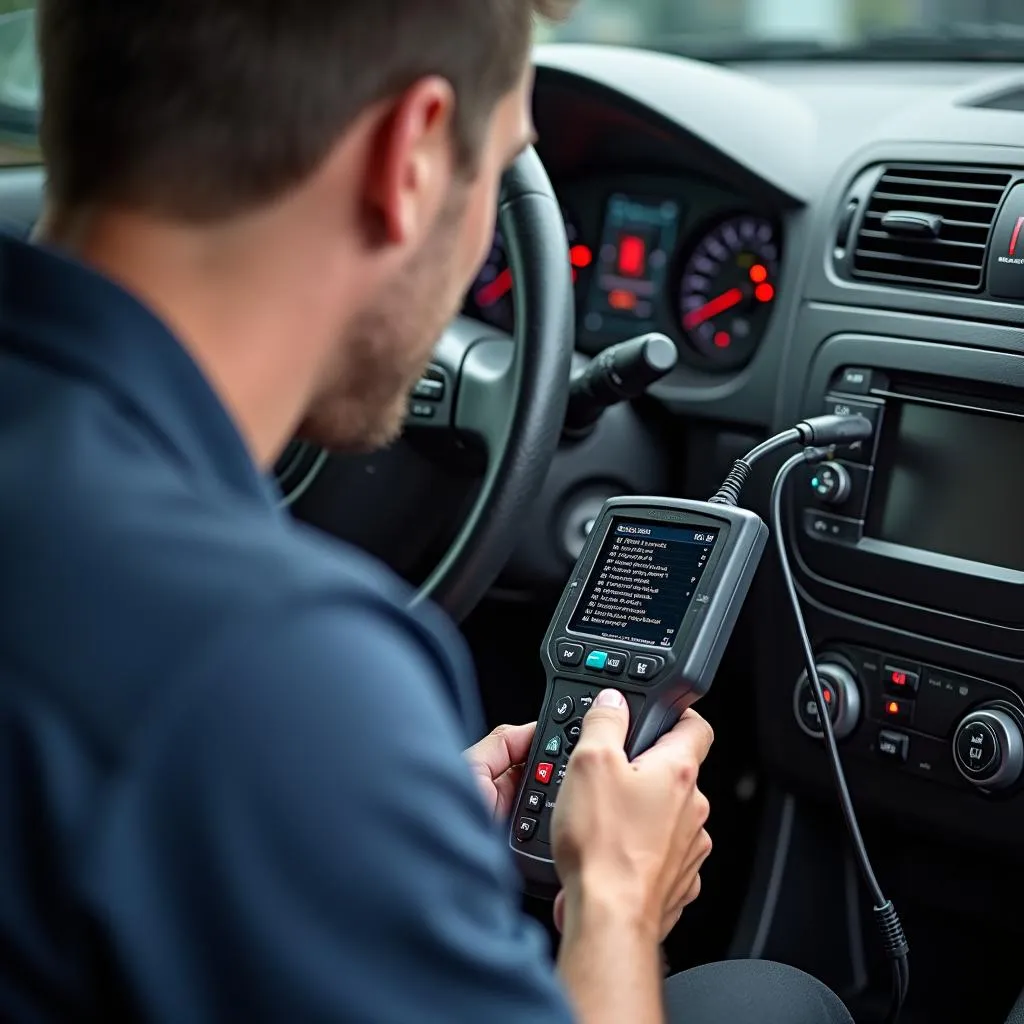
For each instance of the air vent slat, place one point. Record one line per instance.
(940, 242)
(947, 222)
(913, 260)
(964, 198)
(909, 197)
(946, 186)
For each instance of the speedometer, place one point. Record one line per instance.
(728, 288)
(490, 297)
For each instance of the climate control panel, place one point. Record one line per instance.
(922, 719)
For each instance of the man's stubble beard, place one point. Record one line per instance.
(363, 405)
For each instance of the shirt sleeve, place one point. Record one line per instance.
(300, 840)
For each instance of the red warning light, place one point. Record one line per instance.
(764, 292)
(898, 678)
(632, 255)
(722, 340)
(758, 273)
(580, 256)
(892, 708)
(827, 694)
(621, 299)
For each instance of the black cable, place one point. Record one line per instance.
(820, 430)
(824, 433)
(894, 940)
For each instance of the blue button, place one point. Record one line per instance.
(596, 659)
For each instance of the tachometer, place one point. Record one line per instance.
(490, 297)
(727, 290)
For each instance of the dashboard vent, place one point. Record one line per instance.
(928, 226)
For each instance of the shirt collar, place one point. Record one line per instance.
(54, 309)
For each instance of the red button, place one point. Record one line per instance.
(544, 772)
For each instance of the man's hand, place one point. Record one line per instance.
(636, 829)
(497, 761)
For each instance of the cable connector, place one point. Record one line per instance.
(828, 430)
(821, 454)
(888, 921)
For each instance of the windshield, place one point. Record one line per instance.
(730, 31)
(735, 30)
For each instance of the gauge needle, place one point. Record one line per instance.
(490, 293)
(717, 305)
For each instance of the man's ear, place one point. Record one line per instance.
(412, 161)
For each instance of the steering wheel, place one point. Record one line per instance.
(510, 393)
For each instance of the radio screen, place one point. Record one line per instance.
(954, 485)
(643, 581)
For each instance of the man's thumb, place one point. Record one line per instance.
(607, 721)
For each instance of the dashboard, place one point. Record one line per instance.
(674, 254)
(813, 238)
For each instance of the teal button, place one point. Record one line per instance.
(597, 659)
(553, 746)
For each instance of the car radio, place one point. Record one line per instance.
(648, 610)
(926, 512)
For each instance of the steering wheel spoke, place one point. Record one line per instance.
(469, 385)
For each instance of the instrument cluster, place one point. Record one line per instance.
(653, 254)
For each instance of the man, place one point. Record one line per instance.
(232, 786)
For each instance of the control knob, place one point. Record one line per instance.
(831, 483)
(842, 695)
(988, 747)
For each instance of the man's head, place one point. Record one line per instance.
(337, 158)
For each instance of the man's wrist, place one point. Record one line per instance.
(595, 904)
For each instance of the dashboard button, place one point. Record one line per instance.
(596, 660)
(569, 654)
(1006, 259)
(893, 745)
(543, 772)
(842, 487)
(534, 801)
(901, 679)
(854, 380)
(976, 747)
(831, 484)
(837, 529)
(553, 747)
(563, 709)
(895, 710)
(807, 706)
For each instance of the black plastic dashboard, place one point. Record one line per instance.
(800, 145)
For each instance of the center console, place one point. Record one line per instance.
(909, 556)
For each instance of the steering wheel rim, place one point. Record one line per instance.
(512, 394)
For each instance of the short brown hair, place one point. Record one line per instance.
(199, 109)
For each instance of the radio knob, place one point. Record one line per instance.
(988, 748)
(831, 483)
(842, 694)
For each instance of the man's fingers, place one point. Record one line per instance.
(687, 742)
(606, 723)
(508, 745)
(559, 911)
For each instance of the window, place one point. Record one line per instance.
(19, 84)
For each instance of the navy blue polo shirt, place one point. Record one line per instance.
(231, 780)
